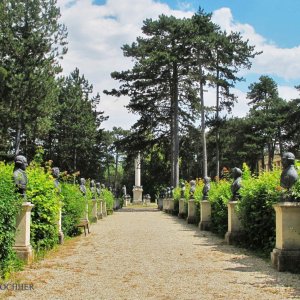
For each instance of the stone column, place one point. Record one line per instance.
(60, 232)
(104, 209)
(100, 211)
(191, 219)
(137, 189)
(22, 241)
(160, 203)
(94, 210)
(205, 215)
(286, 254)
(171, 205)
(235, 230)
(182, 212)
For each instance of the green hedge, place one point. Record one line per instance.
(10, 205)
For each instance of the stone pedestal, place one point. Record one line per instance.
(137, 195)
(182, 210)
(22, 241)
(94, 210)
(286, 254)
(165, 204)
(205, 215)
(160, 203)
(234, 233)
(191, 218)
(104, 211)
(60, 232)
(171, 205)
(100, 210)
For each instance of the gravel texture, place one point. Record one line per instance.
(147, 254)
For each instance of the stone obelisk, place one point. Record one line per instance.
(137, 188)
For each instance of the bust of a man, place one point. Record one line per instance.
(82, 186)
(289, 175)
(124, 190)
(192, 188)
(20, 176)
(206, 188)
(93, 189)
(237, 183)
(55, 174)
(182, 189)
(98, 188)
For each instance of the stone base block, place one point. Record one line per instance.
(234, 237)
(192, 219)
(25, 253)
(286, 260)
(61, 237)
(100, 216)
(205, 225)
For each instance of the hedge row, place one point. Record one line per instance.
(47, 201)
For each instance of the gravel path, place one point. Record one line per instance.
(147, 254)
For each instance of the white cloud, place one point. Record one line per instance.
(97, 32)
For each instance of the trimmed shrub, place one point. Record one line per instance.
(73, 208)
(256, 212)
(108, 197)
(219, 196)
(10, 205)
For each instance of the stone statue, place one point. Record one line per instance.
(206, 188)
(93, 189)
(193, 188)
(82, 186)
(168, 192)
(19, 175)
(171, 191)
(182, 189)
(55, 174)
(98, 188)
(124, 190)
(289, 175)
(237, 184)
(163, 193)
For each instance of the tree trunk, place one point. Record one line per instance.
(18, 135)
(116, 170)
(217, 128)
(176, 137)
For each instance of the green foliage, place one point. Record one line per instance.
(256, 212)
(108, 197)
(219, 196)
(246, 172)
(177, 193)
(198, 195)
(10, 205)
(73, 208)
(41, 192)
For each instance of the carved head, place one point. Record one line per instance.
(92, 183)
(55, 172)
(82, 181)
(21, 162)
(236, 173)
(98, 185)
(288, 159)
(207, 180)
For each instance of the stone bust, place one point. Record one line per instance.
(192, 188)
(19, 175)
(206, 188)
(93, 189)
(289, 175)
(171, 191)
(55, 174)
(82, 186)
(182, 189)
(168, 193)
(124, 190)
(237, 183)
(98, 188)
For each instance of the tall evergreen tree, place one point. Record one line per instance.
(31, 42)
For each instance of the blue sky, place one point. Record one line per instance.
(95, 41)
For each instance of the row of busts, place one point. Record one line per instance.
(21, 180)
(289, 177)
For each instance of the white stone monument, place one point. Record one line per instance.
(137, 189)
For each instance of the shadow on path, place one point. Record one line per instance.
(247, 260)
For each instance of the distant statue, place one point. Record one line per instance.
(237, 184)
(163, 193)
(102, 186)
(98, 189)
(182, 189)
(192, 188)
(19, 175)
(289, 175)
(124, 192)
(55, 174)
(93, 189)
(82, 186)
(168, 192)
(206, 188)
(171, 192)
